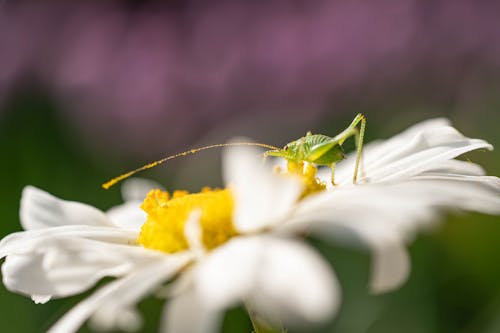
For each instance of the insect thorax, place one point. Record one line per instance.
(313, 148)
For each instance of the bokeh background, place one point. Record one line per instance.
(89, 89)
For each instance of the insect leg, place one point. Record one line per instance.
(359, 145)
(361, 161)
(332, 167)
(359, 135)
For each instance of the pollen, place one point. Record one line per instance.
(307, 173)
(167, 214)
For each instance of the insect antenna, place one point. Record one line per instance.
(126, 175)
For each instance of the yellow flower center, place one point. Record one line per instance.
(164, 227)
(308, 175)
(167, 215)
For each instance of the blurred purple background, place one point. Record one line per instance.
(144, 77)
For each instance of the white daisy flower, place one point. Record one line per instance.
(223, 247)
(68, 246)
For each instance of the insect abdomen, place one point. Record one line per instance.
(333, 155)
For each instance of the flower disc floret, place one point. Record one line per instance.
(307, 174)
(167, 216)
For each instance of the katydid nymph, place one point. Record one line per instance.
(317, 149)
(320, 149)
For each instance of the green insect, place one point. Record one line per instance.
(313, 148)
(324, 150)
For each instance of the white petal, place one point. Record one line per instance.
(261, 197)
(40, 299)
(344, 171)
(295, 284)
(426, 150)
(457, 192)
(381, 221)
(187, 314)
(404, 205)
(345, 208)
(69, 266)
(40, 209)
(128, 215)
(281, 278)
(390, 260)
(108, 318)
(372, 151)
(457, 167)
(193, 233)
(383, 230)
(422, 147)
(109, 302)
(27, 241)
(384, 216)
(136, 189)
(228, 273)
(425, 125)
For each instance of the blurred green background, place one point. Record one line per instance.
(89, 90)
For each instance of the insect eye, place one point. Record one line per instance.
(286, 147)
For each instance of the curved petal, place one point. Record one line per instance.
(40, 209)
(193, 234)
(136, 189)
(24, 242)
(228, 273)
(457, 167)
(425, 151)
(385, 216)
(373, 150)
(383, 231)
(381, 220)
(281, 278)
(388, 148)
(403, 205)
(390, 261)
(295, 285)
(457, 192)
(261, 197)
(128, 215)
(108, 304)
(386, 206)
(421, 147)
(187, 314)
(69, 266)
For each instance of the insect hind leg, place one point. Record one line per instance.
(358, 137)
